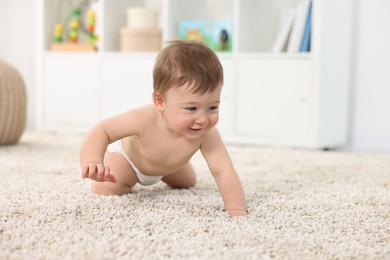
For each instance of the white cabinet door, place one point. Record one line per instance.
(273, 99)
(71, 86)
(128, 83)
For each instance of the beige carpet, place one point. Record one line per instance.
(303, 205)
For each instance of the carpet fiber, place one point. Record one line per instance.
(303, 205)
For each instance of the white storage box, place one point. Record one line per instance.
(140, 39)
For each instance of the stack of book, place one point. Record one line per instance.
(294, 33)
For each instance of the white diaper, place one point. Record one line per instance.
(142, 178)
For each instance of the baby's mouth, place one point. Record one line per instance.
(195, 129)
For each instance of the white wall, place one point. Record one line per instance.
(18, 45)
(3, 25)
(370, 78)
(370, 120)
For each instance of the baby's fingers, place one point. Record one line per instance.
(85, 173)
(101, 171)
(89, 171)
(111, 178)
(98, 172)
(107, 176)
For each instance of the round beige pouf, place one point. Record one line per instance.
(13, 104)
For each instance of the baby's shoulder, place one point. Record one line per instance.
(142, 112)
(146, 110)
(145, 115)
(211, 138)
(211, 134)
(138, 118)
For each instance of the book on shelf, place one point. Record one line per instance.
(285, 25)
(298, 27)
(217, 34)
(305, 44)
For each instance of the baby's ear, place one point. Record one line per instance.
(158, 101)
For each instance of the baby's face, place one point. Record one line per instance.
(191, 115)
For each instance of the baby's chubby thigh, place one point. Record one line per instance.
(122, 170)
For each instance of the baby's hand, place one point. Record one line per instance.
(98, 172)
(236, 212)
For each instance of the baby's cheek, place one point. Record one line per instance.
(214, 120)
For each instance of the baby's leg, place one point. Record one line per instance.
(123, 172)
(183, 178)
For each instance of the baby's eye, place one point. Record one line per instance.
(213, 108)
(192, 109)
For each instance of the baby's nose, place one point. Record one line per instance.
(202, 119)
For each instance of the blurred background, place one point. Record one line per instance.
(369, 76)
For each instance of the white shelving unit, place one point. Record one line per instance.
(289, 99)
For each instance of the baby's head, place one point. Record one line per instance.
(186, 63)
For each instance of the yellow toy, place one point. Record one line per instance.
(74, 25)
(92, 37)
(58, 32)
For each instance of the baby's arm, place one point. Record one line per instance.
(224, 173)
(98, 138)
(92, 154)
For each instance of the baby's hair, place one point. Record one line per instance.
(187, 62)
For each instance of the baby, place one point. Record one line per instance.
(156, 141)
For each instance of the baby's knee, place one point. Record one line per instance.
(191, 183)
(184, 184)
(108, 188)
